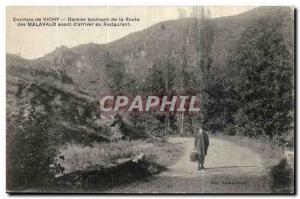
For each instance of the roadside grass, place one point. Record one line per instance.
(75, 157)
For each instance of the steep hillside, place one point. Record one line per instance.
(34, 93)
(139, 51)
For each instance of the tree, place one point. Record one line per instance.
(30, 152)
(118, 79)
(204, 34)
(264, 70)
(161, 82)
(116, 74)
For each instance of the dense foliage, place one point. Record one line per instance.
(28, 161)
(264, 81)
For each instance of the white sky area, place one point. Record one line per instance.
(34, 42)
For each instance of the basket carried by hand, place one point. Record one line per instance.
(193, 155)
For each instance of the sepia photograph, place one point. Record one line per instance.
(150, 100)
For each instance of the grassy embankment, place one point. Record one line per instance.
(79, 157)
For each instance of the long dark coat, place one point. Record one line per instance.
(201, 143)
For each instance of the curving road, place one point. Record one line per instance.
(230, 168)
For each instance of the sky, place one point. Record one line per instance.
(34, 42)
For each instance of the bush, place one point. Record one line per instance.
(282, 177)
(231, 131)
(29, 154)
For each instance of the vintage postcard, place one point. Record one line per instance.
(150, 99)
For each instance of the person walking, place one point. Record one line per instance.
(201, 145)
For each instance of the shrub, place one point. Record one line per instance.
(29, 154)
(282, 177)
(231, 130)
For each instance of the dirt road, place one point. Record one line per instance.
(229, 168)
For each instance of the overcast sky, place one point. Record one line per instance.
(34, 42)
